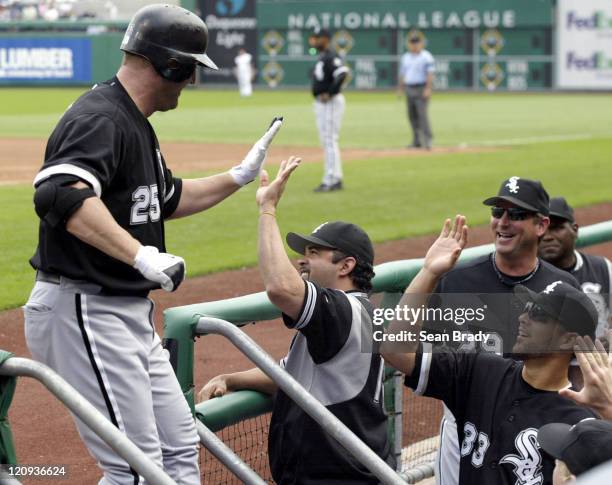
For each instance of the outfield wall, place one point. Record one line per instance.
(489, 44)
(508, 45)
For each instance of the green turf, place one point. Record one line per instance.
(371, 120)
(392, 198)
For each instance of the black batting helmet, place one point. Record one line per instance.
(173, 39)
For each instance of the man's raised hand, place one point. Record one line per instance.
(269, 193)
(445, 251)
(596, 365)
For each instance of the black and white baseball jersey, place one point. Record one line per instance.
(105, 141)
(328, 73)
(594, 274)
(498, 414)
(493, 288)
(328, 357)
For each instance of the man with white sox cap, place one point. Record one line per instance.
(326, 302)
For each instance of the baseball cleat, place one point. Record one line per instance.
(329, 188)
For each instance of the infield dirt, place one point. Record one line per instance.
(21, 158)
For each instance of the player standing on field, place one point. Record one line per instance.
(328, 77)
(415, 79)
(244, 72)
(103, 195)
(499, 403)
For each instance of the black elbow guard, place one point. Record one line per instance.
(55, 200)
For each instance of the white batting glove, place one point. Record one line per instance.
(250, 167)
(166, 269)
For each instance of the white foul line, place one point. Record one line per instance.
(535, 139)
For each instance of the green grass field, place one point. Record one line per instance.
(564, 140)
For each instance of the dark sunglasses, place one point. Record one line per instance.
(514, 213)
(536, 312)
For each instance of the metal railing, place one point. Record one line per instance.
(332, 425)
(86, 412)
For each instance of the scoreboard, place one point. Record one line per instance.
(501, 45)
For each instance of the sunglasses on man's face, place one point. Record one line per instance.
(514, 213)
(536, 312)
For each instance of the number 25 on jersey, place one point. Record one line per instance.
(146, 205)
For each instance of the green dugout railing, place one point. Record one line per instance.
(391, 280)
(7, 390)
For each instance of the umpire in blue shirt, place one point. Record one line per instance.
(416, 77)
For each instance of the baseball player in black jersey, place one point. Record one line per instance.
(329, 307)
(500, 403)
(328, 77)
(103, 195)
(594, 273)
(519, 218)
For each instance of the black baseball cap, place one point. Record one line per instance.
(581, 447)
(559, 207)
(344, 236)
(566, 304)
(321, 32)
(525, 193)
(414, 38)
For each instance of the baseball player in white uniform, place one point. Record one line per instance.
(244, 72)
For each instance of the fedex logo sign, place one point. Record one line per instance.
(592, 62)
(598, 20)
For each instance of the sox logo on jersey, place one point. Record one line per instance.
(528, 463)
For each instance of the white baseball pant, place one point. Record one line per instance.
(329, 120)
(107, 348)
(448, 455)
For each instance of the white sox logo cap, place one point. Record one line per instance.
(581, 447)
(550, 288)
(525, 193)
(344, 236)
(565, 304)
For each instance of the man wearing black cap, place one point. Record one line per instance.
(415, 78)
(519, 218)
(326, 301)
(104, 195)
(576, 449)
(594, 273)
(499, 404)
(328, 76)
